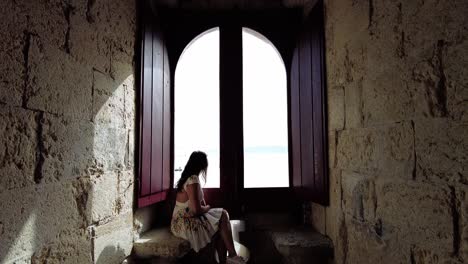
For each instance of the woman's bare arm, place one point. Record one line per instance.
(193, 191)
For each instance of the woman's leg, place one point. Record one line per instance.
(220, 248)
(226, 234)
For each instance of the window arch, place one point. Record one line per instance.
(264, 113)
(196, 104)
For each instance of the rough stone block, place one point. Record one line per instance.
(302, 245)
(385, 92)
(130, 157)
(100, 29)
(319, 218)
(143, 219)
(125, 190)
(442, 150)
(18, 147)
(113, 241)
(130, 103)
(87, 44)
(461, 211)
(418, 214)
(68, 148)
(109, 147)
(48, 20)
(364, 244)
(111, 195)
(104, 195)
(160, 243)
(65, 249)
(48, 213)
(57, 83)
(336, 113)
(359, 197)
(455, 67)
(13, 68)
(108, 101)
(353, 105)
(334, 214)
(386, 151)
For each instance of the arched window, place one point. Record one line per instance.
(196, 104)
(264, 113)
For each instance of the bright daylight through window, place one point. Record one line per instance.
(196, 123)
(196, 105)
(265, 113)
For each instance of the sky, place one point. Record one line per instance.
(196, 106)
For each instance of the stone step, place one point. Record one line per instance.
(302, 245)
(160, 242)
(161, 246)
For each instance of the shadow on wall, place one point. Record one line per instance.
(67, 139)
(110, 254)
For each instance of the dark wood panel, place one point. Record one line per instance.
(231, 125)
(319, 106)
(157, 112)
(167, 170)
(152, 198)
(307, 144)
(146, 95)
(295, 114)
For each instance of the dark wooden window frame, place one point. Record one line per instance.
(293, 38)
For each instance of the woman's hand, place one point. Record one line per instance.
(205, 208)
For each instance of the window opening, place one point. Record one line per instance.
(196, 105)
(264, 113)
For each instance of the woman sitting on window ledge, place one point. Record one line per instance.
(196, 221)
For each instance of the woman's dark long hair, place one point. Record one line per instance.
(197, 164)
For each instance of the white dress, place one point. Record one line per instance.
(198, 230)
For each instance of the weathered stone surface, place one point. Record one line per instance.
(461, 213)
(52, 152)
(302, 245)
(12, 69)
(333, 212)
(384, 150)
(130, 156)
(402, 68)
(108, 101)
(319, 218)
(18, 147)
(130, 102)
(143, 219)
(100, 29)
(442, 150)
(416, 212)
(109, 147)
(68, 148)
(359, 196)
(456, 71)
(113, 241)
(364, 244)
(47, 19)
(66, 249)
(160, 242)
(57, 83)
(103, 199)
(48, 213)
(336, 113)
(111, 195)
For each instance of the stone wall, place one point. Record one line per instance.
(67, 109)
(398, 131)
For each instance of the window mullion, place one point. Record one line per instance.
(231, 123)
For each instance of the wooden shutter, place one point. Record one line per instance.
(155, 112)
(308, 109)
